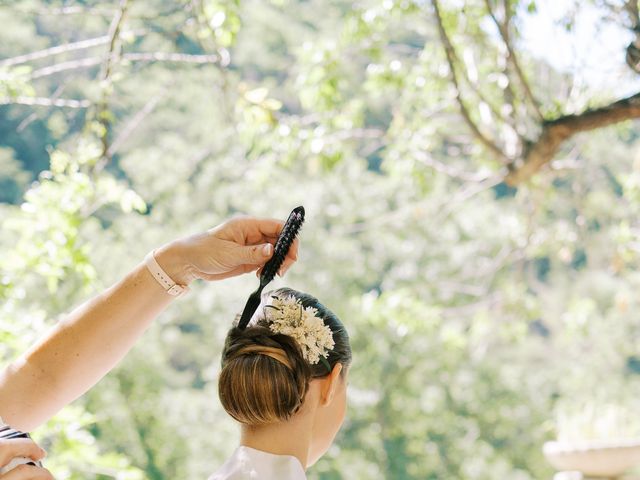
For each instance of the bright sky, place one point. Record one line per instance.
(594, 51)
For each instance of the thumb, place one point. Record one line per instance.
(256, 254)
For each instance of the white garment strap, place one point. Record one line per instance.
(171, 287)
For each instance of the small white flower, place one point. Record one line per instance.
(288, 317)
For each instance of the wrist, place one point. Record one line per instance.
(173, 259)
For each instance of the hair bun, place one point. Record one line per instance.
(264, 376)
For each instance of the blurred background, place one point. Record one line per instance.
(471, 177)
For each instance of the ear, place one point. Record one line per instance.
(330, 385)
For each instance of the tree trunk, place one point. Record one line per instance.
(555, 132)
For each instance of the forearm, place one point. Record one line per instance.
(82, 348)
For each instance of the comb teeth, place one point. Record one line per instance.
(286, 238)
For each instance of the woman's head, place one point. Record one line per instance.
(266, 374)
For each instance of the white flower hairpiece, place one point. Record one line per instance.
(289, 317)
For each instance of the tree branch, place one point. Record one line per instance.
(33, 116)
(556, 132)
(45, 102)
(134, 123)
(114, 36)
(503, 29)
(63, 66)
(631, 7)
(40, 11)
(448, 170)
(68, 47)
(475, 86)
(450, 55)
(170, 57)
(633, 49)
(131, 57)
(102, 109)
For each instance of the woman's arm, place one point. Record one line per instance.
(94, 337)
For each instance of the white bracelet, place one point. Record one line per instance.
(171, 287)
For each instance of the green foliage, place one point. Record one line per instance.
(13, 178)
(15, 82)
(47, 247)
(74, 454)
(221, 20)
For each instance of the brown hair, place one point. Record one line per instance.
(264, 376)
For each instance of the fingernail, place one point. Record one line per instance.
(267, 249)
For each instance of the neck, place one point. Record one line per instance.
(292, 437)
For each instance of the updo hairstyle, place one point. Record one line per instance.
(264, 377)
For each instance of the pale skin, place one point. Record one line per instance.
(22, 447)
(77, 352)
(310, 432)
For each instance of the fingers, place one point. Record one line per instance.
(258, 230)
(248, 244)
(254, 254)
(28, 472)
(19, 447)
(290, 259)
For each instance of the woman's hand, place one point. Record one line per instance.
(238, 246)
(22, 447)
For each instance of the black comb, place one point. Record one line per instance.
(283, 244)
